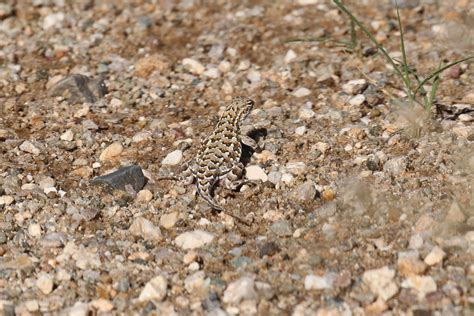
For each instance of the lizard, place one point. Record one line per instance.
(219, 155)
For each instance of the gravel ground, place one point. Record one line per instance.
(364, 205)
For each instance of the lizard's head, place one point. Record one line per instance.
(241, 107)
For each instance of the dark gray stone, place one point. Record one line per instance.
(130, 175)
(79, 88)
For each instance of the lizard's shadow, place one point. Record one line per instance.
(248, 151)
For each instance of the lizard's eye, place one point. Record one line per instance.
(250, 103)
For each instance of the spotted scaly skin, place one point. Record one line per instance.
(219, 155)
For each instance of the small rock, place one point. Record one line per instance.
(46, 182)
(28, 147)
(237, 291)
(421, 284)
(354, 87)
(254, 76)
(112, 151)
(154, 290)
(322, 147)
(79, 309)
(145, 66)
(102, 305)
(435, 256)
(168, 221)
(144, 196)
(45, 283)
(305, 192)
(193, 66)
(409, 264)
(67, 136)
(5, 10)
(395, 166)
(269, 249)
(255, 172)
(213, 73)
(416, 241)
(194, 239)
(79, 88)
(274, 177)
(195, 283)
(381, 282)
(455, 214)
(300, 130)
(306, 113)
(301, 92)
(296, 167)
(173, 158)
(32, 305)
(357, 100)
(290, 56)
(469, 98)
(130, 175)
(142, 137)
(224, 66)
(6, 199)
(282, 228)
(316, 282)
(53, 20)
(54, 240)
(141, 227)
(34, 230)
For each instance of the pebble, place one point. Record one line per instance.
(195, 283)
(254, 76)
(357, 100)
(193, 66)
(144, 196)
(301, 92)
(354, 87)
(213, 73)
(224, 66)
(168, 221)
(53, 20)
(78, 309)
(296, 167)
(239, 290)
(141, 227)
(142, 137)
(255, 172)
(409, 263)
(154, 290)
(269, 249)
(435, 256)
(316, 282)
(130, 175)
(306, 113)
(45, 283)
(381, 282)
(274, 177)
(421, 284)
(6, 199)
(79, 88)
(395, 166)
(32, 305)
(46, 182)
(67, 136)
(282, 228)
(111, 152)
(194, 239)
(28, 147)
(102, 305)
(145, 66)
(300, 130)
(173, 158)
(416, 241)
(34, 230)
(290, 56)
(305, 192)
(5, 10)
